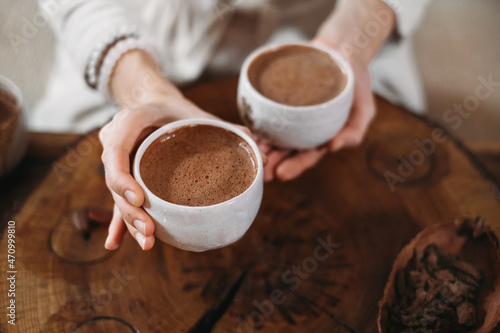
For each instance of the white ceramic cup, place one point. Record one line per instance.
(14, 137)
(201, 228)
(295, 127)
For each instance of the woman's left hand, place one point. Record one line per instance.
(340, 32)
(286, 165)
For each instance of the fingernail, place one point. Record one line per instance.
(130, 196)
(268, 178)
(336, 145)
(106, 244)
(140, 239)
(265, 159)
(282, 174)
(140, 226)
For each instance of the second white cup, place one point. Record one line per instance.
(294, 127)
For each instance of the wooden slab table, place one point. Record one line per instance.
(281, 277)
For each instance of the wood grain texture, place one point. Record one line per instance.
(43, 150)
(345, 201)
(488, 154)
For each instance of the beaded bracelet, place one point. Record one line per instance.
(113, 55)
(92, 67)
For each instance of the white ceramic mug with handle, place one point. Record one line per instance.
(201, 228)
(294, 127)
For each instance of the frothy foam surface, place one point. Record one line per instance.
(198, 165)
(297, 75)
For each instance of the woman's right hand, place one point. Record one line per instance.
(119, 139)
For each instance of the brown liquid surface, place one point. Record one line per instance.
(297, 75)
(198, 165)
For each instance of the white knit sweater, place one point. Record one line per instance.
(193, 36)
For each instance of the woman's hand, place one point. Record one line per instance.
(338, 33)
(287, 165)
(119, 139)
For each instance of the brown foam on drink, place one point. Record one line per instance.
(198, 165)
(297, 75)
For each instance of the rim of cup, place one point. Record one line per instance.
(195, 121)
(336, 56)
(12, 88)
(9, 86)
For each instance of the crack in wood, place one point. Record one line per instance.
(208, 320)
(162, 265)
(325, 311)
(284, 313)
(208, 286)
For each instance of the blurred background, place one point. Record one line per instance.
(457, 42)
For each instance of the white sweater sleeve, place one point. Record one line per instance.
(409, 14)
(83, 25)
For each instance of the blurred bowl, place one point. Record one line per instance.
(13, 135)
(473, 242)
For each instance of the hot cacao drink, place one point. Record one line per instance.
(198, 165)
(297, 75)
